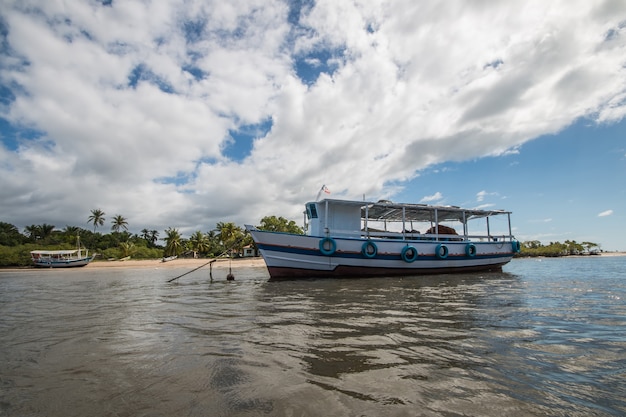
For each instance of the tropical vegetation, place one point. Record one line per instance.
(225, 239)
(570, 247)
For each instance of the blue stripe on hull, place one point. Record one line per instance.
(386, 257)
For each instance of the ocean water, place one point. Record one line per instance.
(544, 337)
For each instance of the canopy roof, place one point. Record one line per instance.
(54, 252)
(388, 211)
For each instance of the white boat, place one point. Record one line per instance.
(59, 258)
(361, 239)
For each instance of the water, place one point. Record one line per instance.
(545, 337)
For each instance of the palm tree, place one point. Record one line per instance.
(33, 231)
(173, 242)
(119, 221)
(71, 230)
(128, 248)
(46, 230)
(10, 235)
(230, 235)
(39, 231)
(97, 218)
(154, 237)
(215, 247)
(198, 242)
(150, 236)
(70, 233)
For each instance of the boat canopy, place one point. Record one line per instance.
(350, 217)
(386, 210)
(54, 252)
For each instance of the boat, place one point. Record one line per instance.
(169, 258)
(61, 258)
(345, 238)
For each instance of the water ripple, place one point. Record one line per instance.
(543, 338)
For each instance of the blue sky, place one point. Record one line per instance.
(566, 186)
(185, 113)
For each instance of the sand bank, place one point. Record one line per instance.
(176, 263)
(157, 263)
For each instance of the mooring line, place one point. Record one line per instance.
(230, 276)
(189, 272)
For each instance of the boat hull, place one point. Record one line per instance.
(290, 256)
(70, 263)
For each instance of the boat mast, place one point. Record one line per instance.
(326, 218)
(510, 231)
(367, 215)
(403, 223)
(465, 226)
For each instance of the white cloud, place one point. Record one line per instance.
(606, 213)
(409, 85)
(484, 206)
(480, 196)
(432, 198)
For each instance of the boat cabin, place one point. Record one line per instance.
(385, 219)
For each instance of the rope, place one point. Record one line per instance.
(189, 272)
(210, 262)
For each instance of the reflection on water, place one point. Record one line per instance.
(542, 338)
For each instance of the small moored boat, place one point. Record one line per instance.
(61, 258)
(359, 239)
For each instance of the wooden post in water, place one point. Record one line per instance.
(230, 276)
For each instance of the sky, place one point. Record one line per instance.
(185, 113)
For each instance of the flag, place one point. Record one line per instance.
(323, 189)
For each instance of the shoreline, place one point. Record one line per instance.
(255, 262)
(177, 263)
(600, 255)
(157, 263)
(613, 254)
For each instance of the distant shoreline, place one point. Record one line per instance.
(613, 254)
(600, 255)
(158, 264)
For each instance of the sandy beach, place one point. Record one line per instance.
(176, 263)
(157, 263)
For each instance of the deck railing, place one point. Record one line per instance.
(434, 237)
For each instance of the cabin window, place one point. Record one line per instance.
(311, 211)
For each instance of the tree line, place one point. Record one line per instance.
(15, 246)
(553, 249)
